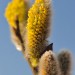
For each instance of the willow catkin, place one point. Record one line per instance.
(64, 59)
(37, 30)
(48, 64)
(17, 10)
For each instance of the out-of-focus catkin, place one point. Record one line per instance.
(48, 64)
(17, 10)
(37, 30)
(64, 59)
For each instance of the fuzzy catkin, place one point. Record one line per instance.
(48, 64)
(37, 30)
(16, 14)
(64, 59)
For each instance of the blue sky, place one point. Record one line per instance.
(12, 62)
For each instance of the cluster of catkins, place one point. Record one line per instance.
(30, 28)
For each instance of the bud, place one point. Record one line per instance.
(64, 59)
(48, 64)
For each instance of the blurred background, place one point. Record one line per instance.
(12, 62)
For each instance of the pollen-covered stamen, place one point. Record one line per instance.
(14, 8)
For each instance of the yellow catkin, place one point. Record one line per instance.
(16, 9)
(37, 30)
(48, 64)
